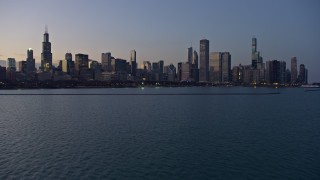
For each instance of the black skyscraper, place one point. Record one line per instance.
(204, 60)
(46, 55)
(31, 69)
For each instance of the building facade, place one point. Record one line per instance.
(215, 67)
(294, 70)
(46, 55)
(225, 67)
(204, 61)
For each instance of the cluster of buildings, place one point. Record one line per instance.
(205, 67)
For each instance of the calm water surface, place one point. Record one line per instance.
(160, 137)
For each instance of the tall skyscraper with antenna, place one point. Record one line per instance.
(46, 55)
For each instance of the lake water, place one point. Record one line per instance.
(160, 136)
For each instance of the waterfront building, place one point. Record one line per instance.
(11, 63)
(146, 65)
(236, 74)
(283, 72)
(294, 70)
(250, 75)
(68, 57)
(81, 65)
(225, 67)
(3, 73)
(64, 66)
(11, 69)
(194, 72)
(22, 67)
(31, 63)
(302, 74)
(183, 71)
(204, 61)
(215, 67)
(68, 65)
(190, 55)
(155, 67)
(106, 61)
(46, 55)
(170, 72)
(133, 62)
(275, 72)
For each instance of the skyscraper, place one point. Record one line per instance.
(190, 53)
(11, 63)
(273, 72)
(302, 74)
(194, 72)
(215, 67)
(133, 62)
(11, 70)
(68, 57)
(195, 60)
(225, 67)
(106, 61)
(68, 65)
(31, 68)
(283, 73)
(294, 70)
(46, 55)
(81, 62)
(204, 60)
(257, 60)
(254, 55)
(160, 66)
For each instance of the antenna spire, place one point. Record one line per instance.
(46, 29)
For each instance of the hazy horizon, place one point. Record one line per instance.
(163, 30)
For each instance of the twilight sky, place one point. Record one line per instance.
(164, 29)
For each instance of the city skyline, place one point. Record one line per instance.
(289, 30)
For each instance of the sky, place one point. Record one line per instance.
(164, 29)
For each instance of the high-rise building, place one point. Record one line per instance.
(3, 74)
(236, 74)
(254, 54)
(283, 72)
(106, 61)
(11, 63)
(302, 74)
(11, 69)
(273, 72)
(306, 77)
(155, 67)
(170, 71)
(294, 70)
(22, 67)
(146, 65)
(183, 71)
(195, 60)
(225, 67)
(190, 53)
(160, 66)
(133, 62)
(68, 57)
(204, 60)
(257, 60)
(46, 55)
(31, 64)
(81, 62)
(64, 66)
(194, 72)
(215, 67)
